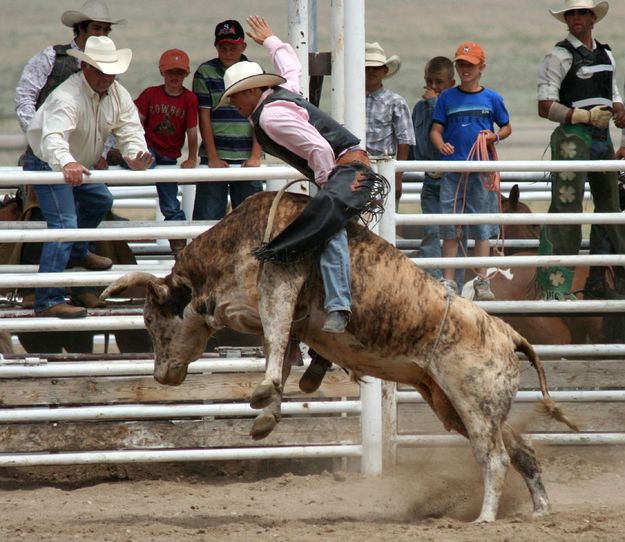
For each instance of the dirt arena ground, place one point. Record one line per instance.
(430, 498)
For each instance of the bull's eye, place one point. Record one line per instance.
(148, 320)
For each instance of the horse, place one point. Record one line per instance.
(561, 329)
(13, 208)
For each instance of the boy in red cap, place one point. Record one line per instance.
(169, 112)
(227, 138)
(461, 114)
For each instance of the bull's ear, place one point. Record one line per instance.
(159, 290)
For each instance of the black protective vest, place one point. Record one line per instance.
(340, 138)
(64, 66)
(598, 85)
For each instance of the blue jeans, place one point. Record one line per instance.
(64, 206)
(168, 192)
(336, 273)
(477, 200)
(211, 199)
(431, 242)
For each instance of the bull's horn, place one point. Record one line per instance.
(137, 278)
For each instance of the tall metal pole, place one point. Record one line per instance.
(338, 61)
(355, 120)
(298, 37)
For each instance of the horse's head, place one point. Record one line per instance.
(512, 204)
(11, 208)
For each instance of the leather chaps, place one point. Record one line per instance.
(353, 190)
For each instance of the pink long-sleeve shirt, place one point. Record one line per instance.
(286, 123)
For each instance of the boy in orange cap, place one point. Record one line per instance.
(169, 113)
(461, 114)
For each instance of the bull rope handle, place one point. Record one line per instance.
(482, 151)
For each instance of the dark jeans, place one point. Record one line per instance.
(211, 199)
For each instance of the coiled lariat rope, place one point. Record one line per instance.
(480, 151)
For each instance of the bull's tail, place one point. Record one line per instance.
(548, 404)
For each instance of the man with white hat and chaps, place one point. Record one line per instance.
(67, 134)
(578, 90)
(291, 128)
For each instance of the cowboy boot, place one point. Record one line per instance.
(313, 376)
(597, 287)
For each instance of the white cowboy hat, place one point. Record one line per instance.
(374, 56)
(91, 10)
(598, 8)
(100, 52)
(245, 75)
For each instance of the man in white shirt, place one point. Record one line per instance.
(67, 133)
(577, 89)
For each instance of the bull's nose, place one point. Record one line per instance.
(169, 376)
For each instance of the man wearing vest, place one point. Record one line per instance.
(577, 89)
(51, 66)
(41, 75)
(291, 128)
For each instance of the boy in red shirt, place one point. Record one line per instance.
(169, 113)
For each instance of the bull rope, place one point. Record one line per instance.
(430, 355)
(270, 220)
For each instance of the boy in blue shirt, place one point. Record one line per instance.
(460, 115)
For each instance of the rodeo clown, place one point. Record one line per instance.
(288, 126)
(577, 89)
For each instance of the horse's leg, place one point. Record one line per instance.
(279, 287)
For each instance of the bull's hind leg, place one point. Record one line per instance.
(525, 463)
(279, 287)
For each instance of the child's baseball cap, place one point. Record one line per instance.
(229, 31)
(174, 59)
(470, 52)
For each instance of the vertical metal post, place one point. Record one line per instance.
(371, 388)
(386, 229)
(312, 25)
(386, 168)
(298, 37)
(355, 113)
(338, 61)
(188, 199)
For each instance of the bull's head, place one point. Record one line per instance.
(178, 332)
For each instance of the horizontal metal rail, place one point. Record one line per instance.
(33, 366)
(559, 439)
(143, 412)
(577, 396)
(111, 323)
(37, 366)
(160, 456)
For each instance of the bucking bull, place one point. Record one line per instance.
(403, 328)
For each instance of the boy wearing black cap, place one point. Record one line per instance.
(226, 136)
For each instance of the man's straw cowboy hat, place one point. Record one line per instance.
(246, 75)
(92, 10)
(100, 52)
(375, 57)
(598, 8)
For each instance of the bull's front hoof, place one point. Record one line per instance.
(263, 425)
(262, 396)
